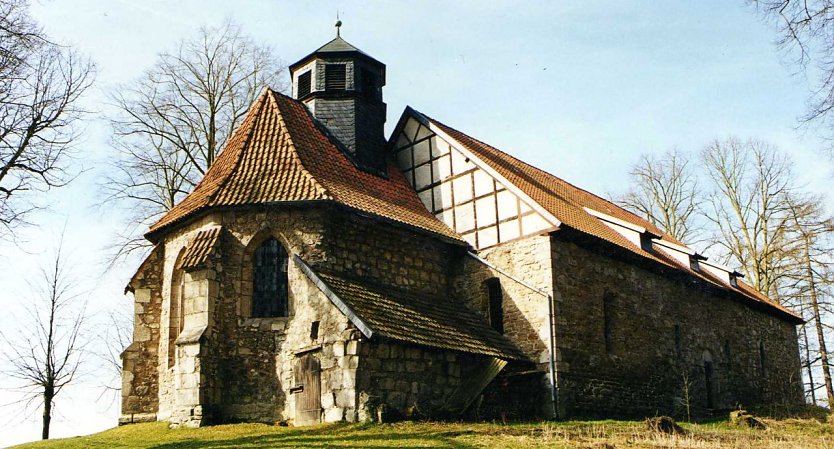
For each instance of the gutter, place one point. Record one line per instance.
(551, 305)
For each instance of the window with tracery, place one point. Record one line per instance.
(270, 290)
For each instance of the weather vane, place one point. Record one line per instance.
(338, 24)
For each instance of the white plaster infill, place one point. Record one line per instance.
(555, 222)
(331, 295)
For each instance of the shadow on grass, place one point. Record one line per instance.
(328, 437)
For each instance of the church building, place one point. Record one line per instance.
(320, 272)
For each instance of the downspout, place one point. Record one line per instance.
(554, 392)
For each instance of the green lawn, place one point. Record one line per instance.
(572, 434)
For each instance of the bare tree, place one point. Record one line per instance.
(40, 85)
(173, 121)
(806, 28)
(44, 354)
(664, 189)
(114, 337)
(750, 207)
(812, 276)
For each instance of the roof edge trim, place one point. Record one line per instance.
(331, 295)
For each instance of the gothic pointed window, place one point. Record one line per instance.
(270, 295)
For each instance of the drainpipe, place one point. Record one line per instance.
(551, 305)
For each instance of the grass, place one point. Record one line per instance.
(788, 434)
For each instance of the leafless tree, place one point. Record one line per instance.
(172, 122)
(40, 85)
(811, 279)
(806, 29)
(664, 189)
(45, 353)
(114, 336)
(749, 205)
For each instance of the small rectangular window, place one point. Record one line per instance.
(335, 77)
(496, 304)
(314, 330)
(305, 85)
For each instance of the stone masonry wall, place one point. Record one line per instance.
(257, 354)
(632, 354)
(407, 381)
(241, 368)
(386, 254)
(525, 311)
(140, 386)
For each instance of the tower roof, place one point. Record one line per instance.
(280, 155)
(336, 47)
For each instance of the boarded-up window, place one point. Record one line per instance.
(678, 348)
(496, 304)
(369, 85)
(304, 84)
(335, 77)
(709, 379)
(762, 359)
(270, 295)
(608, 321)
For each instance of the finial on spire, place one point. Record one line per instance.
(338, 24)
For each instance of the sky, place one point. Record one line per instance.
(579, 89)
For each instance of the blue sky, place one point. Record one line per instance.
(579, 89)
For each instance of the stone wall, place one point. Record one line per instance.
(525, 311)
(632, 353)
(386, 254)
(406, 380)
(140, 385)
(255, 356)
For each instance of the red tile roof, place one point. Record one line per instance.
(279, 154)
(199, 248)
(567, 203)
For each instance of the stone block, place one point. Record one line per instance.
(142, 295)
(350, 348)
(339, 348)
(334, 414)
(327, 400)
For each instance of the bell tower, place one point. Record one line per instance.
(342, 87)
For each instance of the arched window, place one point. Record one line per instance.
(270, 287)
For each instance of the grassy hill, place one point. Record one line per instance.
(788, 434)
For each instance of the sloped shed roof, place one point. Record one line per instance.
(408, 317)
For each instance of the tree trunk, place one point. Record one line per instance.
(813, 387)
(48, 394)
(815, 307)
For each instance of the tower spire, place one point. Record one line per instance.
(338, 25)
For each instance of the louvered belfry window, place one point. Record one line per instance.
(335, 77)
(270, 296)
(304, 84)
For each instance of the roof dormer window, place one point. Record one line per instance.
(335, 77)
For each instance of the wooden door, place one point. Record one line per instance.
(307, 389)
